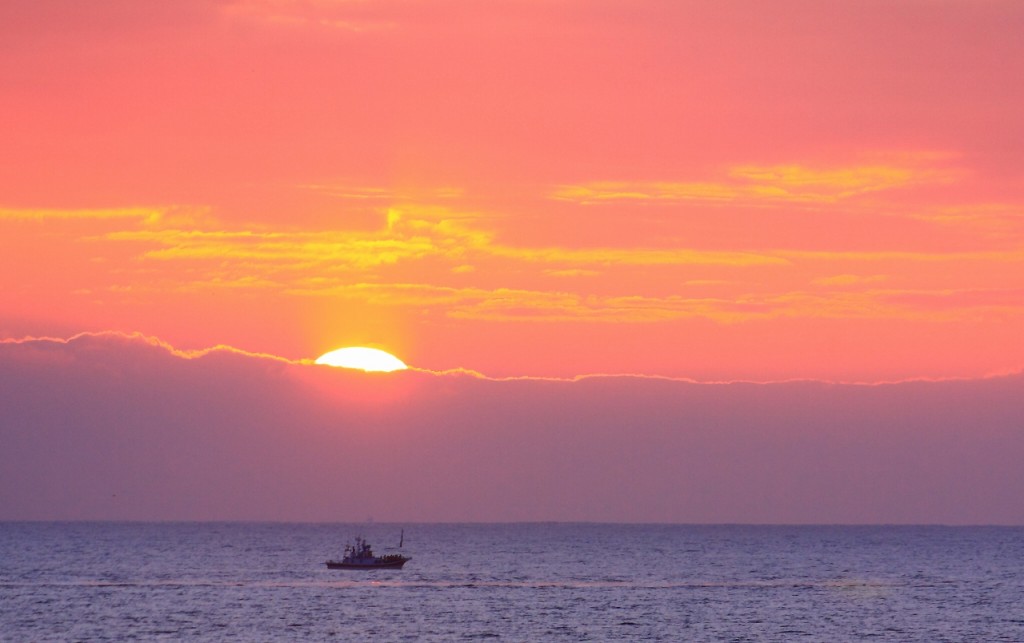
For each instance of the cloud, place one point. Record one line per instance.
(145, 215)
(849, 280)
(413, 233)
(436, 247)
(341, 15)
(572, 272)
(383, 195)
(109, 426)
(1010, 300)
(773, 184)
(447, 261)
(638, 256)
(1002, 221)
(523, 305)
(273, 251)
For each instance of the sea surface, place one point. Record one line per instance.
(514, 582)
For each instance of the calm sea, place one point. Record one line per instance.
(519, 582)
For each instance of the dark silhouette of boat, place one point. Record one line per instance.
(360, 556)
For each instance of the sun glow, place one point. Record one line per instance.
(367, 359)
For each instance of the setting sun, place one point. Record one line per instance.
(367, 359)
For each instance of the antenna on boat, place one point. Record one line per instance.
(401, 539)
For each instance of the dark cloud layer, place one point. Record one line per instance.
(115, 427)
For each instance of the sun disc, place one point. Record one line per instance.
(367, 359)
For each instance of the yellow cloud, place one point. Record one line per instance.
(573, 272)
(803, 183)
(610, 191)
(354, 191)
(525, 305)
(152, 217)
(295, 250)
(636, 256)
(832, 256)
(338, 264)
(322, 14)
(145, 215)
(998, 220)
(772, 183)
(263, 258)
(445, 249)
(848, 280)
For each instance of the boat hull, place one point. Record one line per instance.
(386, 564)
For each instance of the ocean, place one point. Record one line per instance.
(513, 582)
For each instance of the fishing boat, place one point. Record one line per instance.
(359, 555)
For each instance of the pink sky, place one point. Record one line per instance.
(732, 190)
(694, 194)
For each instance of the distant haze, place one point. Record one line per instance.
(121, 427)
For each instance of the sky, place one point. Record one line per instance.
(770, 210)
